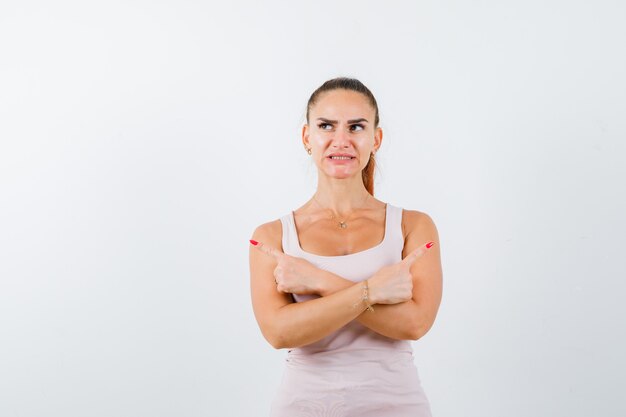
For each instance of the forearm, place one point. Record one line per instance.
(397, 321)
(307, 322)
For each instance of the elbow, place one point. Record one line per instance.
(277, 343)
(415, 333)
(418, 330)
(280, 341)
(276, 333)
(275, 339)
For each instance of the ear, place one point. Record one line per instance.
(305, 136)
(378, 138)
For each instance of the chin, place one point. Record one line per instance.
(341, 175)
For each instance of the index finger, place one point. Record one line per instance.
(270, 250)
(417, 253)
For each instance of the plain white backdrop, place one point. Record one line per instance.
(142, 142)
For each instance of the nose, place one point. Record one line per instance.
(341, 139)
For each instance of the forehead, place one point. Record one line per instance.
(342, 104)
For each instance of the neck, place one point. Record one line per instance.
(342, 196)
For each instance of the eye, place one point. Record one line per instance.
(361, 127)
(323, 125)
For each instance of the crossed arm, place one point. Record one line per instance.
(406, 320)
(288, 324)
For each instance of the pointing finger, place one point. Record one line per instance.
(267, 249)
(417, 253)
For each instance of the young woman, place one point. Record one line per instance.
(346, 281)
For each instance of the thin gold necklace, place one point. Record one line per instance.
(341, 224)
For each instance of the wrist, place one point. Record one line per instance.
(372, 290)
(364, 300)
(366, 296)
(322, 280)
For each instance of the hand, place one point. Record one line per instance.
(393, 284)
(292, 274)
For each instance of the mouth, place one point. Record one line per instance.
(341, 158)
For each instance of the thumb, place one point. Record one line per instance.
(267, 249)
(417, 253)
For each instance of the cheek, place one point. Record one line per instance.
(318, 139)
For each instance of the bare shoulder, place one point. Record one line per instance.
(270, 233)
(415, 222)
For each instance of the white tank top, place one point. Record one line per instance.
(352, 341)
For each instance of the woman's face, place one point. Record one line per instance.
(341, 123)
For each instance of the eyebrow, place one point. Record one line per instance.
(349, 121)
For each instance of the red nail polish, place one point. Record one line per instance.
(254, 242)
(429, 244)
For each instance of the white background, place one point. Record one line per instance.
(142, 143)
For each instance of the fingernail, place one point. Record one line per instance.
(254, 242)
(429, 244)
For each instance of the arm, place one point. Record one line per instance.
(413, 318)
(285, 323)
(397, 321)
(309, 321)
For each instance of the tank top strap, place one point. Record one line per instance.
(395, 238)
(289, 239)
